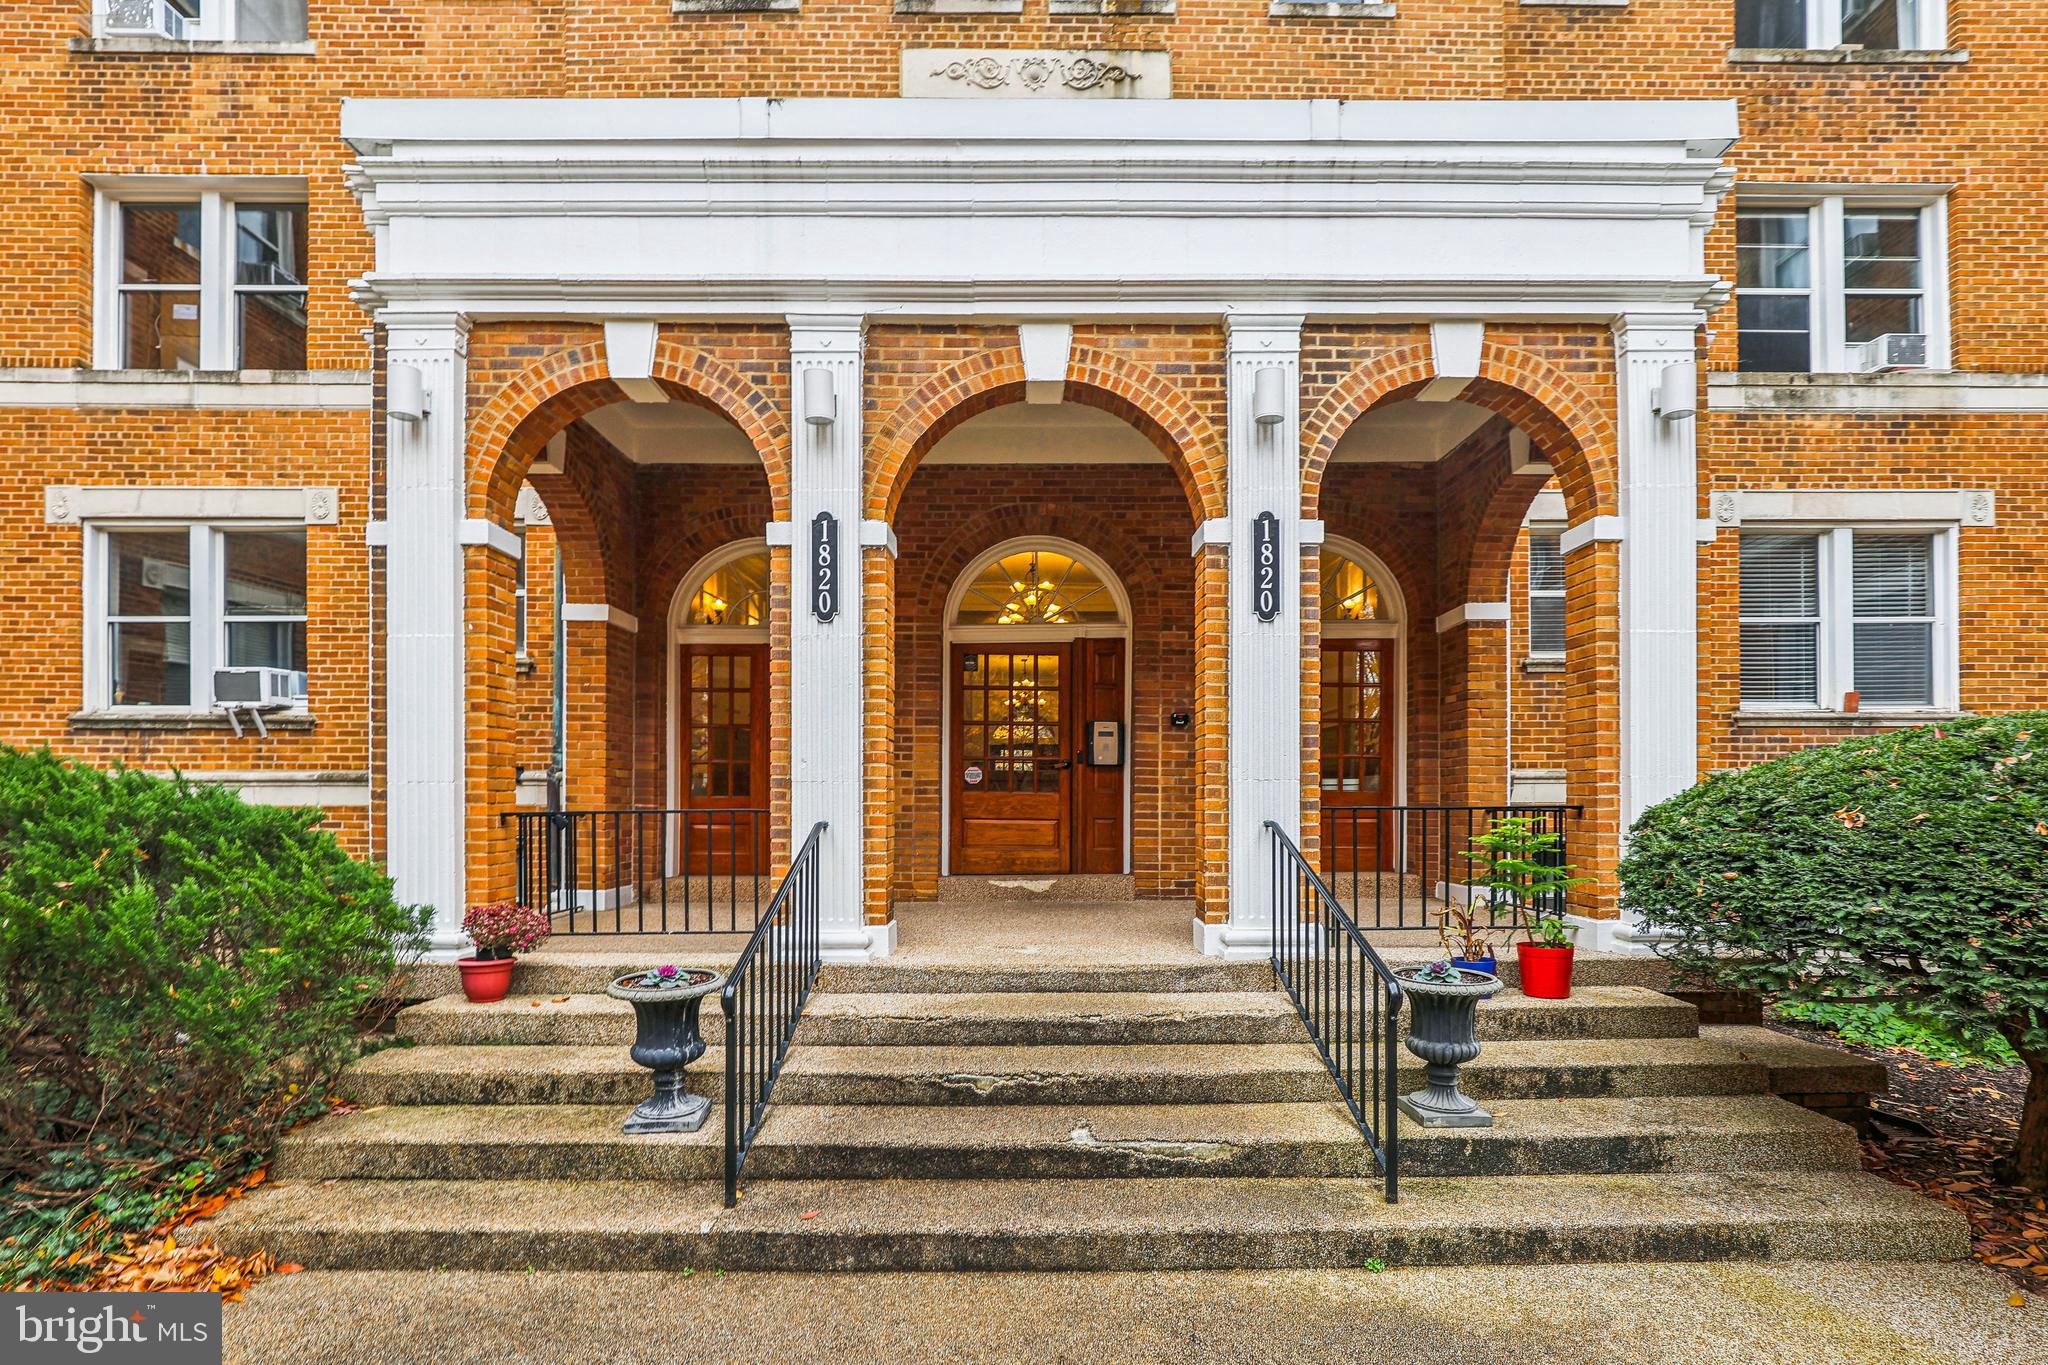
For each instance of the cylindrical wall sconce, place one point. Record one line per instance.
(1677, 392)
(1269, 395)
(821, 403)
(405, 394)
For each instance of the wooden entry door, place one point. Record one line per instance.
(1358, 751)
(1012, 760)
(724, 758)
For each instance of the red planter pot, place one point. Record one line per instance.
(485, 979)
(1546, 972)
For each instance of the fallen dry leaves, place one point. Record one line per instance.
(161, 1263)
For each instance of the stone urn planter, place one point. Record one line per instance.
(666, 1004)
(1443, 1030)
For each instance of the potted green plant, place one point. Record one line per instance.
(501, 931)
(1466, 942)
(1516, 868)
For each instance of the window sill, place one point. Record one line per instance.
(1542, 663)
(914, 8)
(273, 389)
(736, 6)
(126, 45)
(1759, 720)
(1328, 9)
(1847, 56)
(1114, 9)
(171, 720)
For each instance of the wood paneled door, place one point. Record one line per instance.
(724, 758)
(1358, 752)
(1024, 799)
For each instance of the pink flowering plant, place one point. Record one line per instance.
(505, 929)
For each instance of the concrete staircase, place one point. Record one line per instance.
(1120, 1115)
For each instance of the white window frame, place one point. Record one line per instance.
(1827, 264)
(207, 610)
(216, 23)
(1554, 530)
(1835, 667)
(1824, 26)
(218, 293)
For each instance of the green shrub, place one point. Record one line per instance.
(1911, 868)
(181, 975)
(1883, 1025)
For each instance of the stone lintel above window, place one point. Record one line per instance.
(1329, 9)
(1115, 9)
(736, 6)
(1848, 56)
(915, 7)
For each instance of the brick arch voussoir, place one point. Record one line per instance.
(1096, 378)
(558, 388)
(587, 572)
(1370, 384)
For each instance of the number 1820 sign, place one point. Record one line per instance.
(1265, 566)
(824, 569)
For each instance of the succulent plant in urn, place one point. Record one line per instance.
(1443, 1010)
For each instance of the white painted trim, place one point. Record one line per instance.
(880, 535)
(629, 359)
(779, 533)
(1215, 531)
(1905, 391)
(1472, 613)
(1547, 508)
(1736, 507)
(263, 390)
(1120, 629)
(377, 534)
(487, 533)
(681, 632)
(1234, 942)
(601, 612)
(1593, 530)
(1394, 604)
(1048, 349)
(1312, 531)
(70, 504)
(1704, 531)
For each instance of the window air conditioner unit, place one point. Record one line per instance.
(1892, 351)
(152, 18)
(258, 688)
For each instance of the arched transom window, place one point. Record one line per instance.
(733, 594)
(1350, 593)
(1037, 587)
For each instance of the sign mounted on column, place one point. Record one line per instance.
(1265, 566)
(824, 566)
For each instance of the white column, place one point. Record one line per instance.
(825, 682)
(1659, 565)
(423, 581)
(1264, 729)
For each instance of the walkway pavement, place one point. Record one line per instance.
(1810, 1313)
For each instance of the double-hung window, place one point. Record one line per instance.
(1546, 594)
(1831, 613)
(1840, 285)
(171, 603)
(194, 277)
(204, 21)
(1884, 25)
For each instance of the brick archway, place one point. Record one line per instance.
(557, 389)
(1097, 378)
(1562, 420)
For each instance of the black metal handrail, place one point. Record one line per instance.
(763, 1002)
(1401, 864)
(1345, 995)
(643, 870)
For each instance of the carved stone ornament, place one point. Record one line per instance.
(1979, 509)
(1727, 510)
(1001, 73)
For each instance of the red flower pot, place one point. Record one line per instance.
(1546, 972)
(485, 979)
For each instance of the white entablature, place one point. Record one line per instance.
(565, 208)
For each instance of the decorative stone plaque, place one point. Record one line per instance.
(1017, 74)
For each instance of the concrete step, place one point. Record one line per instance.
(536, 1019)
(1145, 1073)
(1139, 1073)
(1151, 1224)
(515, 1074)
(1531, 1137)
(1022, 971)
(1588, 968)
(1796, 1066)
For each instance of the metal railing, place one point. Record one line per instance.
(763, 1003)
(644, 870)
(1398, 866)
(1344, 993)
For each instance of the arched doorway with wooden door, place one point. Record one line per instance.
(719, 715)
(1362, 750)
(1038, 694)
